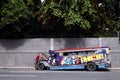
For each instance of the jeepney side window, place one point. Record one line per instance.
(80, 53)
(90, 52)
(98, 51)
(54, 56)
(65, 54)
(71, 53)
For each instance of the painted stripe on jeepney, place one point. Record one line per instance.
(68, 67)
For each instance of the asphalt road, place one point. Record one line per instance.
(11, 74)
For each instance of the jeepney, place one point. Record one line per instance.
(90, 59)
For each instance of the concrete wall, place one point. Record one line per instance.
(25, 45)
(22, 52)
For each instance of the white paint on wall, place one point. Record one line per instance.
(51, 44)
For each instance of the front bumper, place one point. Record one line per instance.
(105, 65)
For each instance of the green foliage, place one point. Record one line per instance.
(15, 15)
(107, 12)
(72, 12)
(59, 18)
(14, 11)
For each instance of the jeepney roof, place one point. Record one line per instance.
(79, 49)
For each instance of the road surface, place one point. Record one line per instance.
(11, 74)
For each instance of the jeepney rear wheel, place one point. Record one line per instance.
(41, 66)
(91, 66)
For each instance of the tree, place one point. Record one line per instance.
(108, 17)
(67, 13)
(59, 18)
(15, 15)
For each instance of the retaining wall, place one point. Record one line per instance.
(22, 52)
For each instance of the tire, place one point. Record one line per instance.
(41, 66)
(91, 66)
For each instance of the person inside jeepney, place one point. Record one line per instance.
(73, 60)
(78, 61)
(54, 59)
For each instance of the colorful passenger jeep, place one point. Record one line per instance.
(76, 58)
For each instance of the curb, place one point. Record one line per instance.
(114, 68)
(17, 68)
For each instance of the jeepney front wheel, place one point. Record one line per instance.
(41, 66)
(91, 66)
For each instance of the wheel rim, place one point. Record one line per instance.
(91, 66)
(41, 66)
